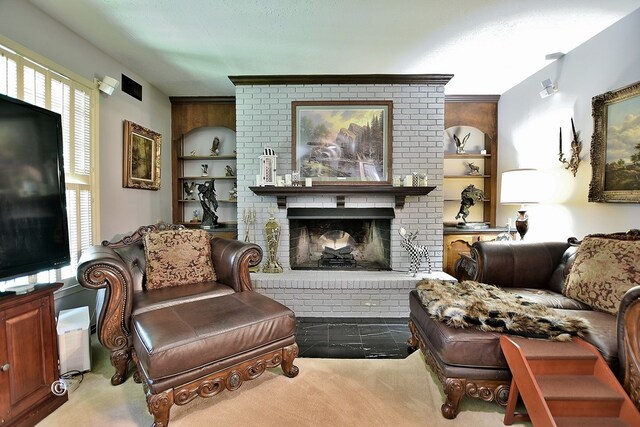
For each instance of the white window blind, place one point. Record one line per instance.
(41, 85)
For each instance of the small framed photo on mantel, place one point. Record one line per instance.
(141, 166)
(342, 142)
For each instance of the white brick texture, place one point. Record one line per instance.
(263, 114)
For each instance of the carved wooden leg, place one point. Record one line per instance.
(288, 355)
(160, 406)
(412, 342)
(120, 361)
(136, 373)
(454, 389)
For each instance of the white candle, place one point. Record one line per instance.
(307, 182)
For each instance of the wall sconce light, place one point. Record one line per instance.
(107, 85)
(576, 147)
(548, 88)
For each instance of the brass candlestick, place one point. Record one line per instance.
(576, 147)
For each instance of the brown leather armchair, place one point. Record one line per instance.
(117, 271)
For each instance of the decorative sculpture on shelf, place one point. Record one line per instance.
(189, 189)
(204, 168)
(268, 167)
(196, 216)
(295, 179)
(228, 171)
(469, 197)
(416, 252)
(460, 144)
(473, 169)
(233, 193)
(207, 196)
(249, 220)
(215, 146)
(193, 153)
(272, 237)
(576, 146)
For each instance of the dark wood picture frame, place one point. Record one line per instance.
(342, 142)
(615, 156)
(141, 160)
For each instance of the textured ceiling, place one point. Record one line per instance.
(189, 47)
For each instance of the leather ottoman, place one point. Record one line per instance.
(203, 347)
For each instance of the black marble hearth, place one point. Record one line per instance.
(353, 338)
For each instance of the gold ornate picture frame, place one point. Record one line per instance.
(141, 168)
(615, 148)
(342, 142)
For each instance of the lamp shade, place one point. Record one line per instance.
(519, 187)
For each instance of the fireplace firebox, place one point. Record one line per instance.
(340, 238)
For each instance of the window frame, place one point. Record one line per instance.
(74, 182)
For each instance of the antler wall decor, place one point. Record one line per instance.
(576, 147)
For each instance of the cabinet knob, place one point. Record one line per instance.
(5, 367)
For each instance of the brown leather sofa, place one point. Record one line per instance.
(117, 271)
(469, 362)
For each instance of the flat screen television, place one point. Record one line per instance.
(33, 216)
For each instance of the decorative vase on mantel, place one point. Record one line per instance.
(272, 236)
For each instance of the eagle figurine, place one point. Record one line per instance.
(189, 189)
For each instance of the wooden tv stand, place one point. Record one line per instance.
(28, 356)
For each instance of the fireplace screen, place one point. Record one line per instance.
(339, 243)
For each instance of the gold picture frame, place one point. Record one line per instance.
(342, 142)
(141, 167)
(615, 153)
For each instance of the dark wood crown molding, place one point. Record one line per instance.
(343, 79)
(203, 99)
(471, 98)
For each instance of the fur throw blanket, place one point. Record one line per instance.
(489, 308)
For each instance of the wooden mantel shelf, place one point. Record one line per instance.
(341, 191)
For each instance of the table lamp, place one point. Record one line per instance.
(520, 187)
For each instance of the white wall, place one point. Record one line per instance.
(529, 127)
(121, 209)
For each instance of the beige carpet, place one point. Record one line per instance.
(327, 392)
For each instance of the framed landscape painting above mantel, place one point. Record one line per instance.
(615, 146)
(342, 142)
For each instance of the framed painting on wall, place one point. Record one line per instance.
(342, 142)
(141, 168)
(615, 146)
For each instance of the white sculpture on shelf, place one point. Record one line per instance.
(416, 252)
(268, 167)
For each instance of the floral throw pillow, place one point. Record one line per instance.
(178, 257)
(605, 267)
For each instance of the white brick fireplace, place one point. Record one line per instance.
(263, 117)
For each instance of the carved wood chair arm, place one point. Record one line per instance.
(466, 267)
(101, 268)
(629, 343)
(231, 261)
